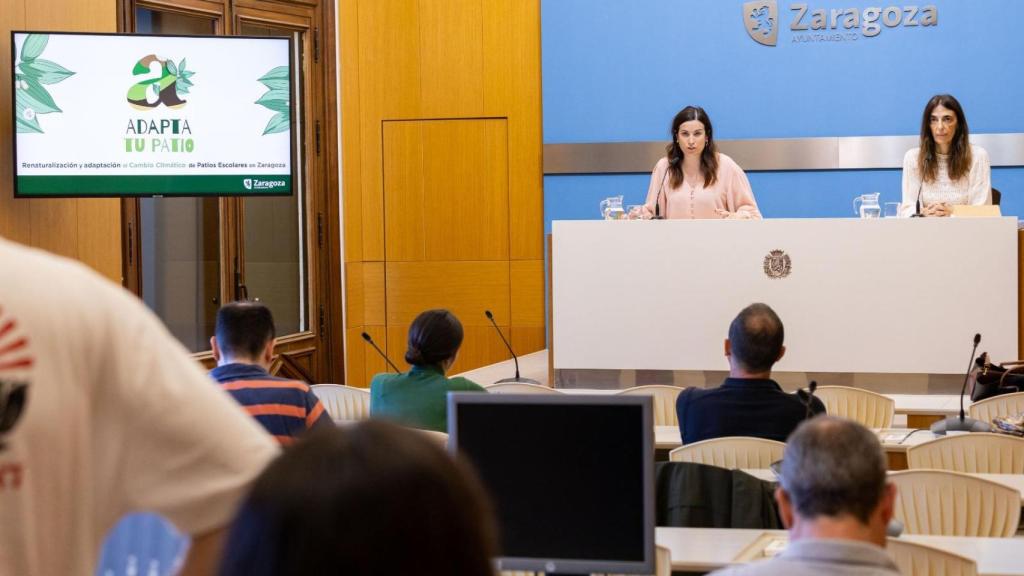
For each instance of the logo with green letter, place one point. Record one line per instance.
(165, 83)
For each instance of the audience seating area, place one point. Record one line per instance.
(343, 403)
(920, 560)
(732, 452)
(869, 408)
(943, 503)
(938, 496)
(664, 402)
(976, 453)
(997, 407)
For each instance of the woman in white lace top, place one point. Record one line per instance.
(946, 169)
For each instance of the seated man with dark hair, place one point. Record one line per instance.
(835, 501)
(243, 346)
(749, 402)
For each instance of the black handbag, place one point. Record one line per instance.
(995, 379)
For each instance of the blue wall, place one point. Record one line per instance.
(618, 70)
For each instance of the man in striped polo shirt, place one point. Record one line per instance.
(243, 347)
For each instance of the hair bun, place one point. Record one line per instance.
(414, 356)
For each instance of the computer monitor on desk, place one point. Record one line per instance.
(571, 477)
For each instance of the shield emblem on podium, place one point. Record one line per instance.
(761, 19)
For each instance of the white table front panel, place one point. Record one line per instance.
(887, 295)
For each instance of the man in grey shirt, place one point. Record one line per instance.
(836, 502)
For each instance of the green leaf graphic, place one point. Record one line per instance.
(276, 74)
(172, 68)
(181, 81)
(276, 100)
(31, 98)
(25, 122)
(279, 123)
(45, 72)
(37, 98)
(33, 46)
(276, 83)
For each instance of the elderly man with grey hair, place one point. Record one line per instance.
(836, 502)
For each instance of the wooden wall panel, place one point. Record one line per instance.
(374, 292)
(364, 287)
(452, 59)
(350, 125)
(465, 288)
(99, 236)
(446, 164)
(361, 361)
(404, 232)
(512, 81)
(527, 290)
(88, 230)
(465, 184)
(527, 339)
(389, 87)
(355, 295)
(446, 190)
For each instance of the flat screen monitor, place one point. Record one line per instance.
(136, 115)
(571, 477)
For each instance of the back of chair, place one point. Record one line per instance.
(942, 503)
(869, 408)
(664, 402)
(343, 403)
(730, 452)
(519, 388)
(997, 197)
(919, 560)
(976, 453)
(997, 406)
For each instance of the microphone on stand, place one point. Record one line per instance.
(381, 352)
(962, 423)
(917, 203)
(808, 398)
(514, 358)
(657, 200)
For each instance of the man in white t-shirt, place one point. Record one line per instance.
(116, 418)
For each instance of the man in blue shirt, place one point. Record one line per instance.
(749, 402)
(243, 347)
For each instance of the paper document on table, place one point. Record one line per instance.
(893, 435)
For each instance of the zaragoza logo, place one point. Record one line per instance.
(761, 19)
(166, 83)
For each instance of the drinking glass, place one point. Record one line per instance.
(892, 210)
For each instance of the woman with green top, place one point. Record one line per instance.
(419, 397)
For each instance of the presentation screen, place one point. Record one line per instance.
(134, 115)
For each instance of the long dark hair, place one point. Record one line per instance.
(434, 336)
(959, 150)
(373, 499)
(708, 158)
